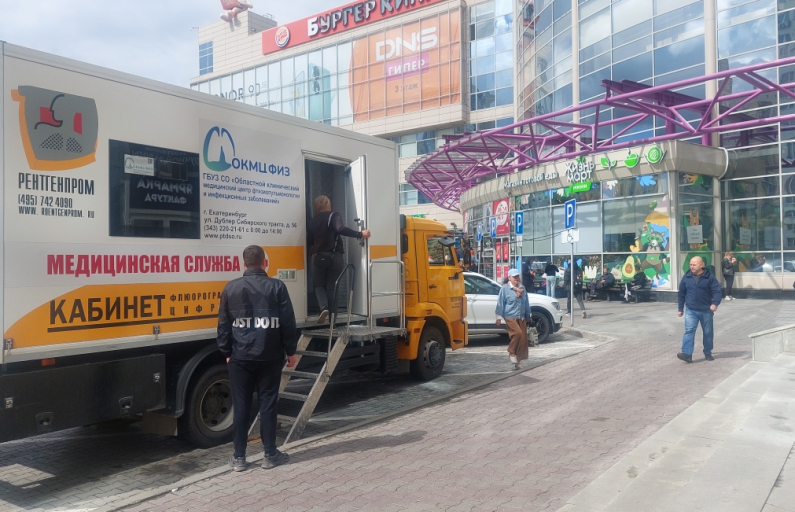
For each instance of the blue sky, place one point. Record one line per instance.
(150, 38)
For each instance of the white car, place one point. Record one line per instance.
(482, 295)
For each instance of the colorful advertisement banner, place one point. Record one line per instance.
(407, 68)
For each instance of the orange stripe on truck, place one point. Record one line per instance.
(383, 251)
(107, 311)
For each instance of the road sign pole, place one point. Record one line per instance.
(570, 221)
(571, 284)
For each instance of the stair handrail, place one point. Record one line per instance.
(334, 305)
(401, 293)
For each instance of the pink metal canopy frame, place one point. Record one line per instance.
(445, 174)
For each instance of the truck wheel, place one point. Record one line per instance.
(208, 416)
(543, 325)
(430, 355)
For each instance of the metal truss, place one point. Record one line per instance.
(628, 115)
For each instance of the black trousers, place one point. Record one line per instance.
(264, 377)
(729, 283)
(324, 280)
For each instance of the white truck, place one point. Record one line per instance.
(126, 206)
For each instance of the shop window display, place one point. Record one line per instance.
(753, 229)
(636, 225)
(656, 266)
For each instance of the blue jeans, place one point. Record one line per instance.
(692, 318)
(551, 285)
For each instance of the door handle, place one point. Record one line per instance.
(453, 277)
(431, 286)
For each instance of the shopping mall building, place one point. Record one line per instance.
(428, 74)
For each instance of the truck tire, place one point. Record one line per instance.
(543, 324)
(430, 355)
(208, 417)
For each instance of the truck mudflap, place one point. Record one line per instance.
(460, 334)
(41, 401)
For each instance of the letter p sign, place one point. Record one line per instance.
(570, 210)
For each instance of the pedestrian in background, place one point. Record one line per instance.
(699, 290)
(578, 289)
(256, 332)
(728, 273)
(514, 307)
(528, 275)
(551, 273)
(639, 280)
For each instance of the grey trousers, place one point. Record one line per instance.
(324, 279)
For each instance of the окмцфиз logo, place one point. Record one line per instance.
(215, 158)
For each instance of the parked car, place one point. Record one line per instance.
(482, 294)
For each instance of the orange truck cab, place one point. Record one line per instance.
(435, 300)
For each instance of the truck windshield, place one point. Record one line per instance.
(439, 255)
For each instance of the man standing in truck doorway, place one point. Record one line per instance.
(256, 331)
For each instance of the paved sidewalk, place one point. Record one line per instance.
(87, 468)
(732, 451)
(530, 442)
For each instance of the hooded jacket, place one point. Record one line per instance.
(699, 296)
(256, 321)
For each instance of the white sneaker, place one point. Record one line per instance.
(514, 360)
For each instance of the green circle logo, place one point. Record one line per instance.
(654, 155)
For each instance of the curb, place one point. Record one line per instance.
(210, 473)
(582, 333)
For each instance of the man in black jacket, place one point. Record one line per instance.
(700, 291)
(256, 330)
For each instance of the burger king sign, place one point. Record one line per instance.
(282, 36)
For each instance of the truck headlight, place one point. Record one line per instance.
(556, 305)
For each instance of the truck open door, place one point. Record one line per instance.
(358, 250)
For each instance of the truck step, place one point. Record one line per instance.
(311, 353)
(293, 396)
(301, 375)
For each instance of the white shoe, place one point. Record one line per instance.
(227, 16)
(514, 360)
(245, 4)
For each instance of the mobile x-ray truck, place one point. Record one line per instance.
(126, 207)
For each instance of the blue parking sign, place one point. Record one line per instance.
(480, 231)
(570, 214)
(519, 223)
(493, 227)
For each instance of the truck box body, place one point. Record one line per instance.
(128, 203)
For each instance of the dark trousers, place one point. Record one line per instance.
(324, 280)
(578, 296)
(245, 377)
(729, 284)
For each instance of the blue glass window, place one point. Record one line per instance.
(679, 55)
(504, 122)
(591, 85)
(505, 96)
(485, 82)
(687, 13)
(206, 58)
(504, 78)
(746, 37)
(635, 69)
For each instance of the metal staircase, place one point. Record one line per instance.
(337, 340)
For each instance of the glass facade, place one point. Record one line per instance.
(621, 222)
(404, 68)
(490, 54)
(750, 211)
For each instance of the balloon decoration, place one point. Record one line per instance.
(234, 7)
